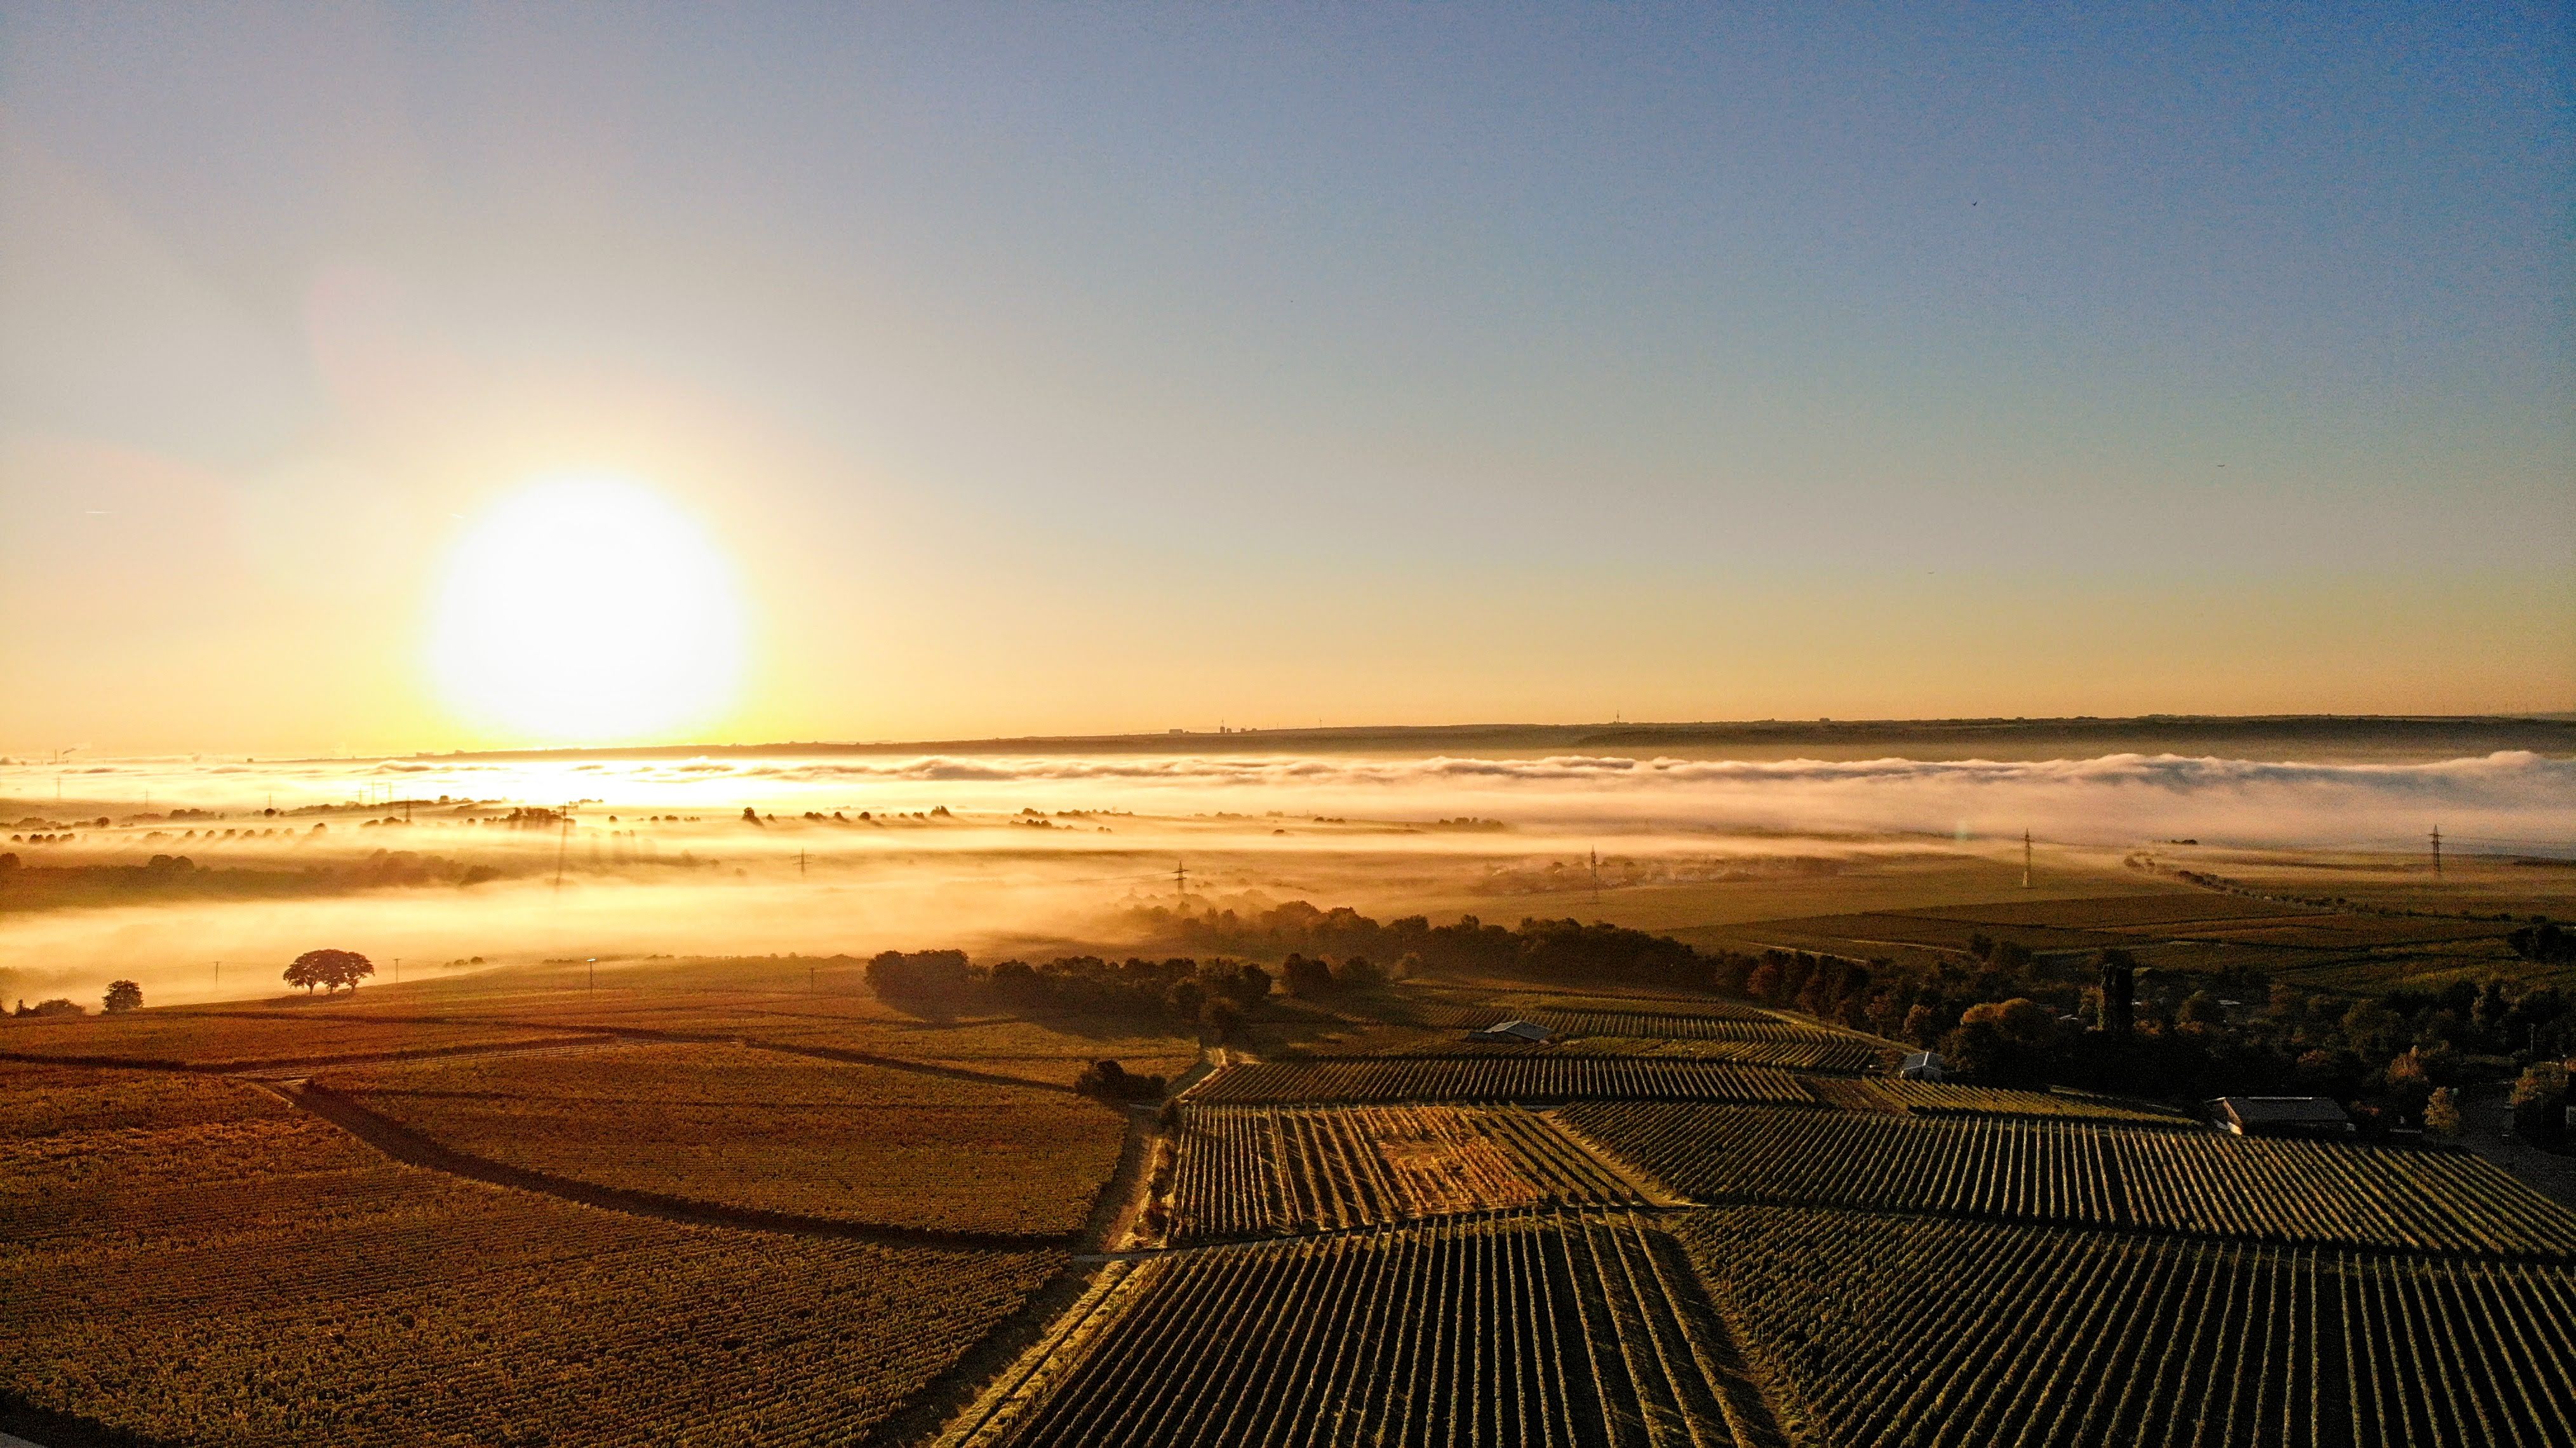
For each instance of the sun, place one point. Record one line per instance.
(586, 610)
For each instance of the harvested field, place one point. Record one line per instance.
(728, 1126)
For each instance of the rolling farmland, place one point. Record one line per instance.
(1253, 1171)
(1614, 1239)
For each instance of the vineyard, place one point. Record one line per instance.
(1607, 1016)
(2198, 1182)
(272, 1282)
(1927, 1098)
(1667, 1228)
(767, 1131)
(1911, 1331)
(1518, 1331)
(1846, 1055)
(1509, 1078)
(1253, 1171)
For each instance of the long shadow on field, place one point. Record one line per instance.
(406, 1145)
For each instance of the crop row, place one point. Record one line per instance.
(1718, 1021)
(2202, 1182)
(1929, 1098)
(1912, 1331)
(1250, 1171)
(1509, 1078)
(1536, 1330)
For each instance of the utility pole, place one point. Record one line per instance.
(1596, 879)
(800, 864)
(594, 975)
(1181, 881)
(219, 975)
(2025, 859)
(2437, 852)
(563, 841)
(397, 970)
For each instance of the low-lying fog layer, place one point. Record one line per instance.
(424, 859)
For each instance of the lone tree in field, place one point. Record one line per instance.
(329, 969)
(123, 995)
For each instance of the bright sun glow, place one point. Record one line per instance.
(586, 610)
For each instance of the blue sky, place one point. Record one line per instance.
(1079, 367)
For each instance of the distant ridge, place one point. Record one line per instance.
(2242, 735)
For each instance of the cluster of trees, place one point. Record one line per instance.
(2008, 1018)
(1312, 977)
(1216, 995)
(1558, 949)
(1114, 1083)
(2004, 1015)
(330, 969)
(2543, 941)
(58, 1006)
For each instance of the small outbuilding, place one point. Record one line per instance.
(1922, 1066)
(2315, 1116)
(1512, 1033)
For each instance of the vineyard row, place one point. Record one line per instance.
(1516, 1078)
(1529, 1330)
(1253, 1171)
(1919, 1333)
(2104, 1176)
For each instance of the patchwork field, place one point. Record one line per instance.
(528, 1213)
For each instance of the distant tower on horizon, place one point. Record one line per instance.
(2025, 859)
(2437, 852)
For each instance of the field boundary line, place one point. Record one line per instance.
(414, 1148)
(569, 1038)
(1030, 1378)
